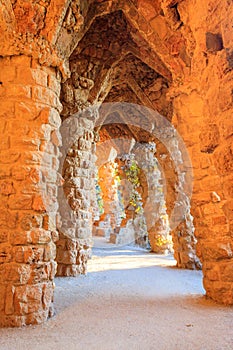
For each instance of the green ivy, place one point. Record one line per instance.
(161, 241)
(132, 173)
(99, 198)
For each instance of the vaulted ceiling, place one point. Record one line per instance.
(106, 50)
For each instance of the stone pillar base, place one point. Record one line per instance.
(72, 256)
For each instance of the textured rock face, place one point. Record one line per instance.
(108, 220)
(203, 107)
(153, 198)
(77, 166)
(29, 119)
(173, 56)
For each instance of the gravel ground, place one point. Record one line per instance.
(133, 300)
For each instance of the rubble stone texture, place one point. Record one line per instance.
(59, 57)
(154, 203)
(76, 195)
(30, 119)
(109, 220)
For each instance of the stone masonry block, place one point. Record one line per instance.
(20, 203)
(31, 76)
(8, 219)
(7, 74)
(54, 84)
(21, 60)
(2, 298)
(47, 296)
(28, 254)
(14, 273)
(49, 252)
(7, 187)
(19, 91)
(40, 272)
(9, 157)
(20, 238)
(9, 301)
(4, 236)
(28, 299)
(5, 253)
(40, 236)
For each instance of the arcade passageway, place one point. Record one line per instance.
(115, 120)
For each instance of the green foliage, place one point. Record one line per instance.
(161, 241)
(132, 173)
(99, 198)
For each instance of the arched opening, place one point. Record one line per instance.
(109, 72)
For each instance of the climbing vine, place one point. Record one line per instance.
(132, 172)
(99, 198)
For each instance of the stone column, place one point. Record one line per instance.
(154, 202)
(109, 219)
(177, 173)
(76, 195)
(184, 240)
(184, 244)
(29, 119)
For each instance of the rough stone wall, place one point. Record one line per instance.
(203, 112)
(29, 119)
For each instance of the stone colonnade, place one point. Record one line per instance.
(184, 52)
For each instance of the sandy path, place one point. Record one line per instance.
(129, 300)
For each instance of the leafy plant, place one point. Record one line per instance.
(99, 198)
